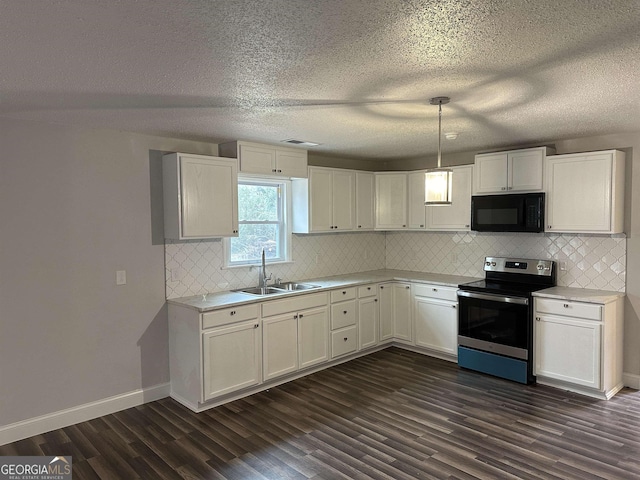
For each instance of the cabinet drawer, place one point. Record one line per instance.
(343, 314)
(435, 291)
(229, 315)
(343, 294)
(570, 309)
(367, 291)
(294, 304)
(344, 341)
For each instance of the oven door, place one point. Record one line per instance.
(495, 323)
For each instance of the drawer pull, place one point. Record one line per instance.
(232, 312)
(344, 311)
(346, 338)
(376, 300)
(256, 326)
(537, 319)
(434, 289)
(407, 287)
(368, 288)
(344, 292)
(566, 305)
(453, 306)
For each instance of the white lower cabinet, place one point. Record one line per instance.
(232, 357)
(295, 334)
(280, 345)
(367, 316)
(213, 354)
(395, 312)
(344, 318)
(578, 345)
(435, 310)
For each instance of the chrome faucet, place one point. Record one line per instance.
(263, 279)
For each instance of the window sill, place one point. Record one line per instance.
(255, 265)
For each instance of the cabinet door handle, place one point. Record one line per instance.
(279, 171)
(375, 300)
(550, 226)
(466, 226)
(368, 288)
(344, 312)
(381, 287)
(537, 319)
(503, 188)
(421, 226)
(359, 226)
(256, 326)
(407, 287)
(453, 306)
(273, 170)
(295, 316)
(301, 315)
(346, 338)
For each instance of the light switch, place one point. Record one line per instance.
(121, 277)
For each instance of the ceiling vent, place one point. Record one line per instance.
(300, 143)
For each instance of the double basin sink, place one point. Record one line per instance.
(278, 288)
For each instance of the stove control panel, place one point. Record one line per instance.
(518, 265)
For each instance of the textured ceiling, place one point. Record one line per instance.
(352, 75)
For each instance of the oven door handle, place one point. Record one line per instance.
(494, 298)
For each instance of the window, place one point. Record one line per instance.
(262, 221)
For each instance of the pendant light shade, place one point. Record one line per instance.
(438, 181)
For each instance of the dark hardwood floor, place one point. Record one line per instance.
(390, 415)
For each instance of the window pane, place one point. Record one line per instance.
(258, 202)
(252, 239)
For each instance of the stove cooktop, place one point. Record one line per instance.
(508, 288)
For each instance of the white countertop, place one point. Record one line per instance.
(579, 294)
(214, 301)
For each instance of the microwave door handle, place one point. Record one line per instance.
(494, 298)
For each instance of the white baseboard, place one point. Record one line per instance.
(631, 380)
(63, 418)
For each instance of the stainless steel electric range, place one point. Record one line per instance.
(495, 317)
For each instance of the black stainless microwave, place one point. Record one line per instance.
(513, 212)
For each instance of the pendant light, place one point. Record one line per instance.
(437, 181)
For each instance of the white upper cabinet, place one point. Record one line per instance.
(325, 202)
(585, 192)
(457, 216)
(512, 171)
(256, 158)
(365, 200)
(391, 201)
(416, 214)
(200, 196)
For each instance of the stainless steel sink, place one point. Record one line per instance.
(294, 287)
(260, 291)
(277, 288)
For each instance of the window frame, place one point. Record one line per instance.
(285, 223)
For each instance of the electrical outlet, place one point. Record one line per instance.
(563, 265)
(176, 274)
(121, 277)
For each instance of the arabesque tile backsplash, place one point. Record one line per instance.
(589, 261)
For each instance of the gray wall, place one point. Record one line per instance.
(75, 207)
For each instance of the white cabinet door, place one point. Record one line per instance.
(457, 216)
(512, 171)
(385, 295)
(257, 159)
(585, 192)
(343, 200)
(200, 196)
(490, 173)
(436, 325)
(367, 322)
(321, 199)
(416, 207)
(232, 358)
(524, 168)
(391, 201)
(402, 319)
(313, 337)
(568, 349)
(291, 163)
(365, 200)
(280, 345)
